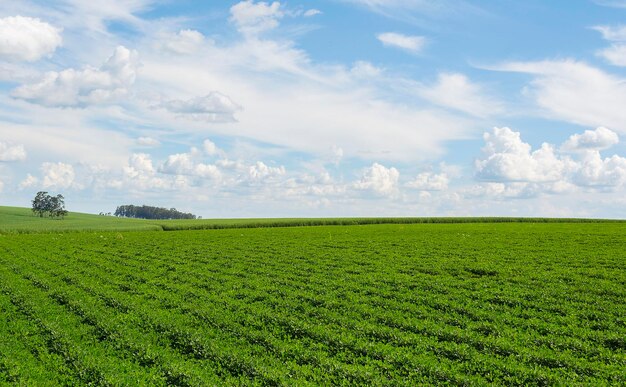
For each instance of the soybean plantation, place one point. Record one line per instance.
(394, 304)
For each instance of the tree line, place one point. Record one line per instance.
(52, 206)
(149, 212)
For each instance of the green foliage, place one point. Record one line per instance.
(400, 304)
(150, 212)
(53, 206)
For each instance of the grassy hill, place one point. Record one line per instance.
(21, 220)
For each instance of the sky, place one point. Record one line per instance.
(321, 108)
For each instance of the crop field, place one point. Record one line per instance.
(505, 303)
(18, 220)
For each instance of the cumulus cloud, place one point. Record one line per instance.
(184, 164)
(599, 139)
(507, 158)
(207, 171)
(318, 185)
(429, 181)
(379, 179)
(183, 42)
(90, 85)
(252, 18)
(210, 148)
(27, 39)
(598, 172)
(29, 182)
(12, 152)
(148, 142)
(213, 107)
(409, 43)
(58, 175)
(261, 171)
(516, 190)
(456, 91)
(139, 164)
(139, 173)
(575, 92)
(517, 171)
(177, 164)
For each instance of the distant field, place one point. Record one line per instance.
(396, 304)
(22, 220)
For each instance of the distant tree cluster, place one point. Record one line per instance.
(148, 212)
(52, 206)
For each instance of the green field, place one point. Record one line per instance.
(17, 220)
(390, 304)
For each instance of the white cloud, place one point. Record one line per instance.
(213, 107)
(184, 42)
(27, 39)
(58, 175)
(29, 182)
(429, 181)
(319, 185)
(252, 18)
(595, 171)
(148, 142)
(140, 174)
(514, 190)
(139, 164)
(178, 164)
(611, 3)
(599, 139)
(508, 159)
(210, 148)
(261, 171)
(90, 85)
(455, 91)
(615, 54)
(379, 179)
(414, 11)
(207, 171)
(12, 152)
(312, 12)
(612, 33)
(518, 172)
(184, 164)
(409, 43)
(575, 92)
(335, 155)
(363, 69)
(84, 16)
(69, 135)
(295, 103)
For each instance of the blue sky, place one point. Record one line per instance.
(325, 108)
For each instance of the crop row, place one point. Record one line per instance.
(462, 304)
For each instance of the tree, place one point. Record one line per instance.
(40, 203)
(53, 206)
(149, 212)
